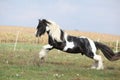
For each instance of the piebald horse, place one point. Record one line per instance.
(60, 40)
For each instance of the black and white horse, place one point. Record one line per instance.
(60, 40)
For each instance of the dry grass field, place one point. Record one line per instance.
(26, 35)
(8, 34)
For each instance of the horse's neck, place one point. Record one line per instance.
(59, 36)
(55, 35)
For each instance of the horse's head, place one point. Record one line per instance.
(42, 27)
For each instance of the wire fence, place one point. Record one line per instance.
(22, 37)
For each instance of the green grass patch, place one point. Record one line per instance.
(23, 64)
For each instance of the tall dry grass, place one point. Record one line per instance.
(26, 35)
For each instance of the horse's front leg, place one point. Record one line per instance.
(45, 49)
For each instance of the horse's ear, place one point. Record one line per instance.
(44, 20)
(39, 20)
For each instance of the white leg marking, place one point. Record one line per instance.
(95, 65)
(68, 45)
(44, 51)
(99, 63)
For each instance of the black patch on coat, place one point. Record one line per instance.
(55, 44)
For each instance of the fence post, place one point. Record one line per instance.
(117, 42)
(16, 40)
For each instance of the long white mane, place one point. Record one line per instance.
(55, 31)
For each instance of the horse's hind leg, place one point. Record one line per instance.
(98, 62)
(95, 64)
(91, 52)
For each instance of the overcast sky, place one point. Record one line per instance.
(102, 16)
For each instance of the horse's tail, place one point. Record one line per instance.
(108, 52)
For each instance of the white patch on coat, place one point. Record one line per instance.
(92, 44)
(54, 31)
(82, 37)
(69, 45)
(47, 28)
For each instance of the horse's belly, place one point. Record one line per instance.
(74, 50)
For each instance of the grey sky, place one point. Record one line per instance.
(101, 16)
